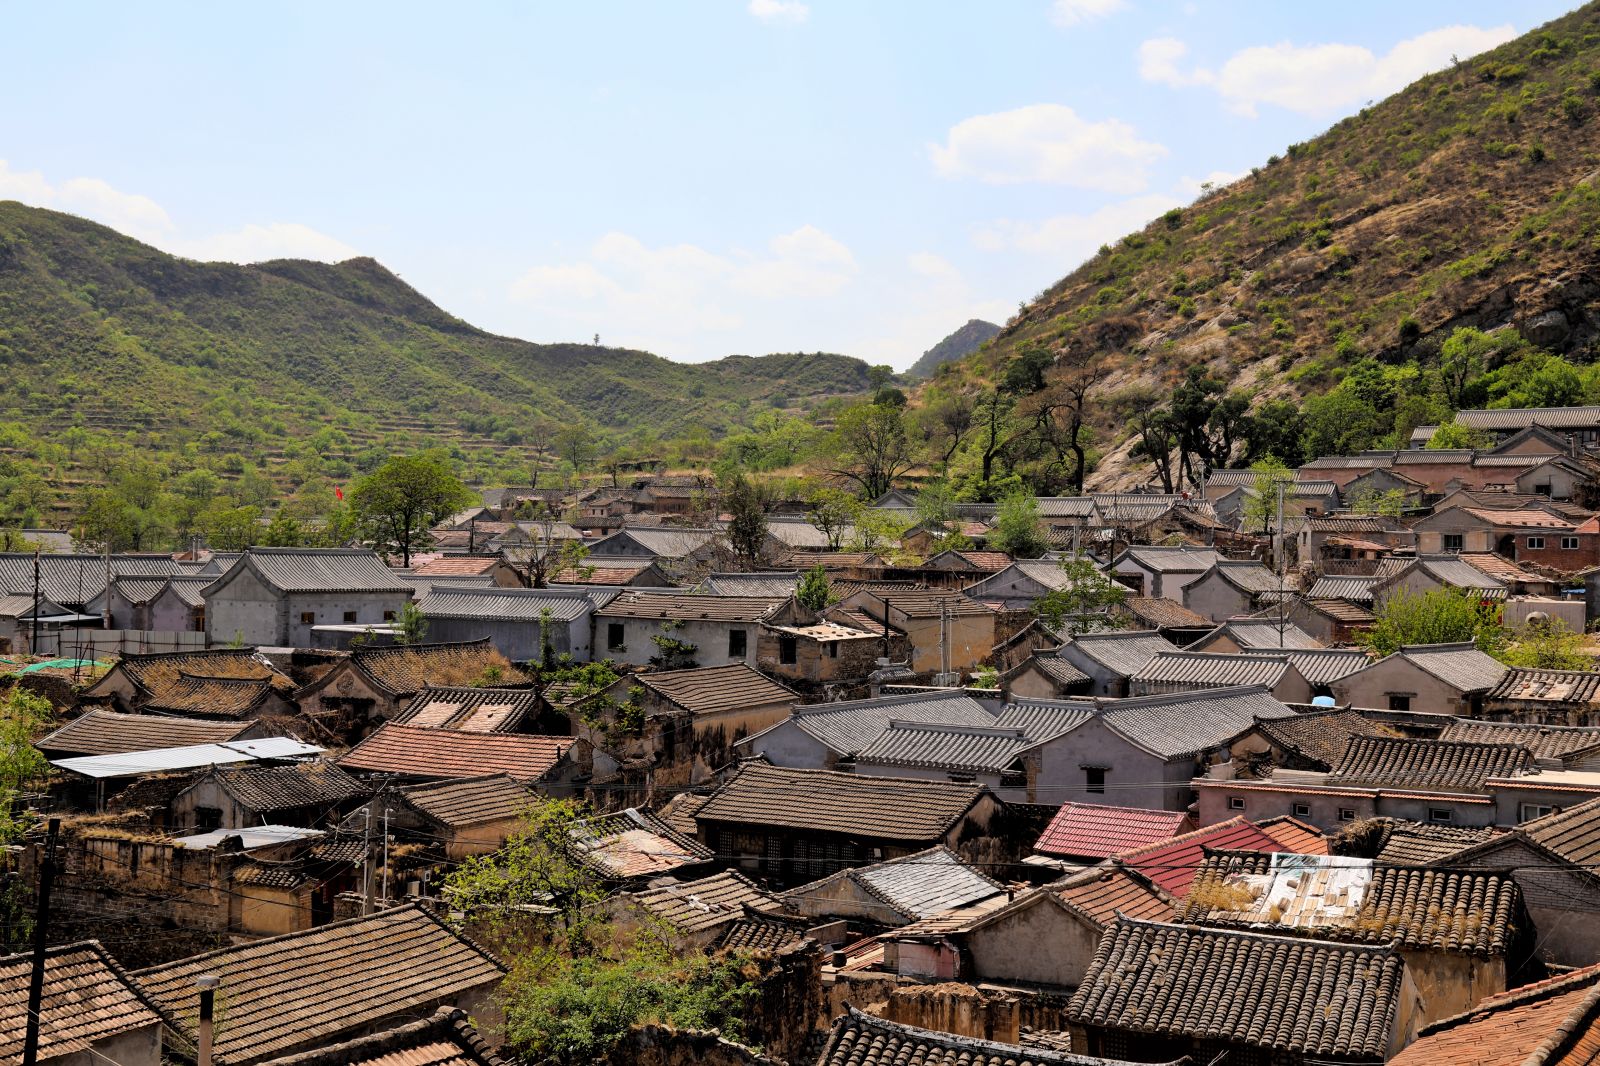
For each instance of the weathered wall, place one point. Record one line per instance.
(966, 1010)
(1009, 949)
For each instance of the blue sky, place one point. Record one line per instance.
(694, 178)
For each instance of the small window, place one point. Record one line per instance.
(1441, 815)
(833, 649)
(1569, 544)
(1530, 811)
(308, 618)
(1094, 779)
(1535, 543)
(614, 638)
(736, 644)
(1302, 810)
(206, 819)
(1347, 814)
(1452, 542)
(349, 616)
(1399, 701)
(388, 616)
(787, 651)
(1235, 803)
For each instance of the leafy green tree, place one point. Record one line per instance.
(1081, 605)
(283, 531)
(1547, 646)
(1339, 423)
(747, 511)
(406, 496)
(1017, 529)
(1455, 435)
(872, 447)
(231, 529)
(1443, 616)
(1463, 357)
(814, 591)
(877, 530)
(833, 512)
(411, 625)
(1261, 507)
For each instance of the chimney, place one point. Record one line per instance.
(207, 984)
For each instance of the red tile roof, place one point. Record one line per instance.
(1295, 835)
(1105, 892)
(1092, 831)
(436, 753)
(1551, 1022)
(1173, 864)
(447, 565)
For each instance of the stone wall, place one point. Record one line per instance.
(985, 1013)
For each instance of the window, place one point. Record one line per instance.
(736, 644)
(1530, 811)
(1094, 779)
(1535, 543)
(1347, 814)
(349, 616)
(1451, 542)
(308, 618)
(1569, 544)
(1235, 803)
(388, 616)
(787, 651)
(206, 819)
(1302, 810)
(614, 638)
(833, 649)
(1441, 815)
(1399, 701)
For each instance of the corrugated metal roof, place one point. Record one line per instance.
(254, 836)
(192, 757)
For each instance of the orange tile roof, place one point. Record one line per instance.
(456, 564)
(1295, 835)
(435, 753)
(1551, 1022)
(1093, 831)
(1105, 892)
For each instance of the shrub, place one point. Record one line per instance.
(1536, 153)
(1173, 218)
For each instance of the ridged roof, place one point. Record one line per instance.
(1285, 993)
(1088, 830)
(88, 999)
(1354, 589)
(1041, 720)
(859, 1039)
(849, 726)
(1322, 666)
(74, 580)
(472, 710)
(761, 586)
(1514, 418)
(298, 991)
(1461, 666)
(1321, 737)
(140, 590)
(1121, 653)
(759, 932)
(633, 603)
(1573, 834)
(446, 1038)
(1184, 723)
(1104, 892)
(273, 789)
(635, 843)
(712, 689)
(1427, 764)
(99, 732)
(1264, 634)
(1207, 670)
(512, 605)
(318, 570)
(1545, 741)
(1338, 898)
(230, 697)
(407, 668)
(435, 753)
(692, 906)
(1163, 613)
(959, 748)
(1554, 686)
(1550, 1023)
(915, 886)
(466, 801)
(1172, 864)
(821, 801)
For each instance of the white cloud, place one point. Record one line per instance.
(143, 219)
(1189, 188)
(1046, 143)
(1071, 239)
(1318, 79)
(674, 297)
(1072, 12)
(791, 11)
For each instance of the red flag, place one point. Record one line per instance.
(339, 493)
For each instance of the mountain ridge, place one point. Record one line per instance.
(958, 345)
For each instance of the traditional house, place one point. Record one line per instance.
(73, 581)
(1340, 543)
(635, 846)
(947, 631)
(1531, 535)
(677, 550)
(1436, 678)
(1162, 572)
(1429, 573)
(464, 815)
(449, 568)
(373, 685)
(614, 571)
(524, 624)
(1545, 697)
(820, 736)
(1314, 740)
(1188, 671)
(169, 604)
(766, 585)
(1247, 994)
(1233, 587)
(689, 720)
(97, 732)
(821, 653)
(1329, 622)
(1554, 1022)
(169, 682)
(859, 1039)
(797, 825)
(1047, 676)
(1110, 659)
(1019, 585)
(275, 596)
(445, 1038)
(1321, 667)
(704, 630)
(1090, 833)
(311, 794)
(1456, 955)
(475, 710)
(1255, 634)
(432, 754)
(91, 1010)
(348, 978)
(897, 891)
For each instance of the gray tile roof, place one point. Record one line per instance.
(76, 579)
(1461, 666)
(319, 570)
(1513, 418)
(271, 789)
(634, 603)
(1321, 736)
(914, 886)
(1323, 666)
(1058, 669)
(1573, 834)
(861, 1039)
(1545, 741)
(1207, 670)
(710, 689)
(1173, 560)
(821, 801)
(1122, 653)
(108, 733)
(144, 589)
(1428, 764)
(1041, 720)
(1453, 570)
(850, 726)
(694, 906)
(778, 583)
(1176, 725)
(1354, 589)
(959, 748)
(1317, 999)
(515, 605)
(664, 542)
(1263, 634)
(801, 534)
(1553, 686)
(1248, 576)
(1066, 506)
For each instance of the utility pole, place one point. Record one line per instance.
(1282, 564)
(386, 812)
(41, 922)
(33, 640)
(366, 864)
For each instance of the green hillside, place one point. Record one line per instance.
(100, 331)
(1469, 199)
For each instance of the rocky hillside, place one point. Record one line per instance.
(960, 344)
(1471, 198)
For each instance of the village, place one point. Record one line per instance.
(1181, 788)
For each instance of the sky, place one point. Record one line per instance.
(698, 178)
